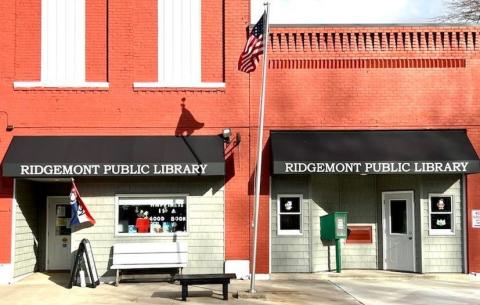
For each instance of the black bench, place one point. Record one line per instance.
(199, 279)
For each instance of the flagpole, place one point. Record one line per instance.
(258, 171)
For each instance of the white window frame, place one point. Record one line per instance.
(290, 232)
(119, 197)
(441, 232)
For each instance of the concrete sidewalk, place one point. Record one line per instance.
(411, 292)
(349, 288)
(50, 289)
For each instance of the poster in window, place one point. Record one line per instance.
(290, 205)
(441, 204)
(441, 221)
(152, 216)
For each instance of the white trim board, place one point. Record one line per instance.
(59, 86)
(6, 274)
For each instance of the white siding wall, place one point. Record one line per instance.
(442, 253)
(290, 253)
(63, 43)
(179, 42)
(205, 239)
(361, 256)
(322, 195)
(325, 199)
(358, 198)
(26, 229)
(352, 194)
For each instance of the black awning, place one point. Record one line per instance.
(70, 156)
(373, 152)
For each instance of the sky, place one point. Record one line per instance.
(349, 11)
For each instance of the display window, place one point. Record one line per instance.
(289, 210)
(441, 214)
(151, 215)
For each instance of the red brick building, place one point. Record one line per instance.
(120, 70)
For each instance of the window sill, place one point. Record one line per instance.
(73, 86)
(283, 233)
(188, 86)
(441, 233)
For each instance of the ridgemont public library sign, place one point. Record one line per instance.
(69, 170)
(417, 167)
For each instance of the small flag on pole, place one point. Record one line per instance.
(253, 48)
(80, 213)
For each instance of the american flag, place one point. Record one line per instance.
(253, 48)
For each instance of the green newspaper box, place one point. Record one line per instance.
(333, 227)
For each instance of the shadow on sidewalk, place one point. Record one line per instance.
(178, 295)
(60, 278)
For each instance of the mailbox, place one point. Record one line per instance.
(333, 226)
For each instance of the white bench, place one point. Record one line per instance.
(149, 256)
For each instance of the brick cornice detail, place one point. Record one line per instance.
(320, 40)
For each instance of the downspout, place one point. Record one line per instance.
(465, 220)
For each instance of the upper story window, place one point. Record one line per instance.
(62, 46)
(63, 42)
(179, 42)
(179, 52)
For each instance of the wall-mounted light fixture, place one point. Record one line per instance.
(227, 134)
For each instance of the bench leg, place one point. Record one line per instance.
(117, 278)
(225, 291)
(184, 292)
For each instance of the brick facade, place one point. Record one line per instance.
(344, 77)
(374, 77)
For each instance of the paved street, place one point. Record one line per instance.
(351, 288)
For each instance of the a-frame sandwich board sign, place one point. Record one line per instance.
(84, 259)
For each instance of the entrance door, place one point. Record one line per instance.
(398, 231)
(58, 233)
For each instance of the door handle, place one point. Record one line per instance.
(410, 238)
